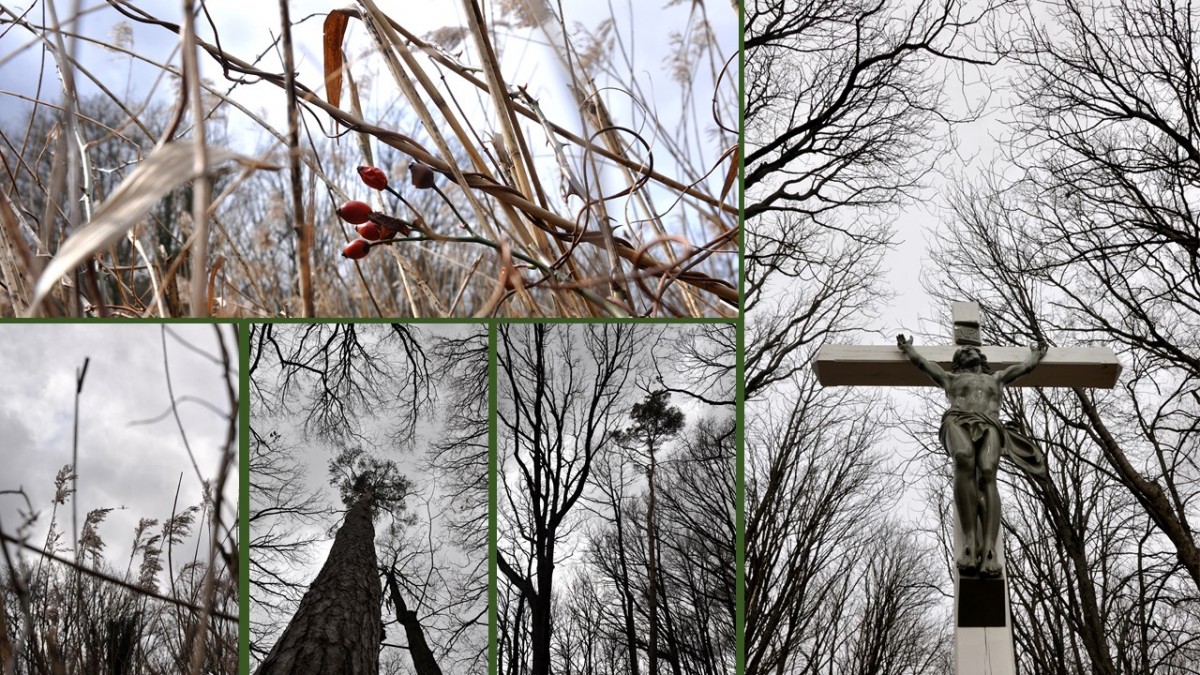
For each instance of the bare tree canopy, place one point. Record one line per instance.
(383, 419)
(1080, 231)
(1093, 240)
(605, 480)
(845, 112)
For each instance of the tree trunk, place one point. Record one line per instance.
(5, 645)
(627, 601)
(337, 628)
(540, 618)
(652, 569)
(423, 660)
(1148, 493)
(1091, 625)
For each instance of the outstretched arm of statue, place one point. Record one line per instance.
(1012, 373)
(933, 370)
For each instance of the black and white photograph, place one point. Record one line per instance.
(368, 498)
(616, 515)
(118, 499)
(765, 337)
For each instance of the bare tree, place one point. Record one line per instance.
(699, 362)
(842, 106)
(340, 372)
(559, 392)
(343, 602)
(613, 554)
(695, 548)
(655, 421)
(1123, 467)
(845, 111)
(818, 563)
(280, 503)
(642, 566)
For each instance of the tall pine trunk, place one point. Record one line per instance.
(337, 628)
(652, 568)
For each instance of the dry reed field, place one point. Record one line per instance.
(118, 499)
(516, 159)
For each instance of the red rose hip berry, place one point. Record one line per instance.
(357, 250)
(373, 177)
(370, 231)
(355, 213)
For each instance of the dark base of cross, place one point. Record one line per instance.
(981, 603)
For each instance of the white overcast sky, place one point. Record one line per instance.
(247, 30)
(133, 468)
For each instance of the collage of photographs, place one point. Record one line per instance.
(518, 337)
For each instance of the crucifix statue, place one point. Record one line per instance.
(974, 378)
(974, 438)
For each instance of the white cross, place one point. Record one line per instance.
(887, 366)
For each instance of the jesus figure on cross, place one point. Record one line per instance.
(972, 434)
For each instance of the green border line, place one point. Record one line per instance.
(493, 456)
(243, 332)
(739, 480)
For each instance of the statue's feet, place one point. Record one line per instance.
(968, 562)
(991, 566)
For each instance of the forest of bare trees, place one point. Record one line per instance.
(1094, 240)
(373, 436)
(118, 517)
(1078, 229)
(616, 519)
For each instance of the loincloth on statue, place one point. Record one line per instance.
(1015, 445)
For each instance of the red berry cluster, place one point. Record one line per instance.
(373, 226)
(359, 213)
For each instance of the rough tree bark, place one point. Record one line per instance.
(5, 645)
(337, 628)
